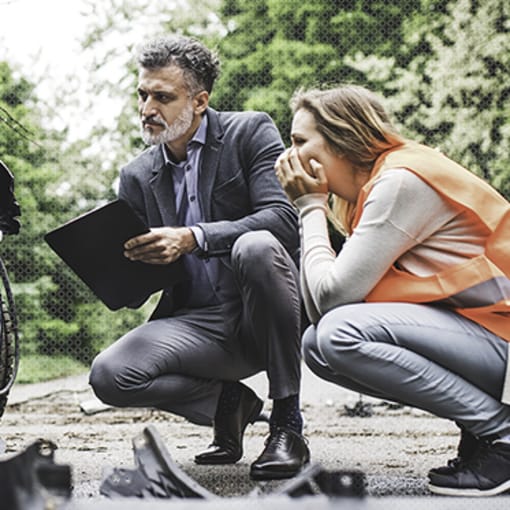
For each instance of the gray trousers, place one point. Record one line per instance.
(418, 355)
(178, 363)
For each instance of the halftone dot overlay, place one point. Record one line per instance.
(441, 68)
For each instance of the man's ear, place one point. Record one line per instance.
(201, 102)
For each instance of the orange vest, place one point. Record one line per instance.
(457, 287)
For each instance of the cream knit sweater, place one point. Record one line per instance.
(404, 222)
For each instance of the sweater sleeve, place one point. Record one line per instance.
(400, 211)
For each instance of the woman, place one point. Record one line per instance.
(416, 306)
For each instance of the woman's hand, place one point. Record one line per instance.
(295, 180)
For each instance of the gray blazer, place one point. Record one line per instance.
(238, 188)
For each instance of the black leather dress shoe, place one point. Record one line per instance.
(285, 454)
(227, 446)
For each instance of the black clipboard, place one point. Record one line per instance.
(92, 246)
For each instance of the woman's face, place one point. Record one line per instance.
(310, 144)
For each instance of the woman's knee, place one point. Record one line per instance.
(309, 345)
(337, 335)
(313, 357)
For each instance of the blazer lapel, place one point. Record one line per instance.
(211, 154)
(163, 189)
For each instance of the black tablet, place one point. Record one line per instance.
(92, 245)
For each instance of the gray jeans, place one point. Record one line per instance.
(177, 363)
(418, 355)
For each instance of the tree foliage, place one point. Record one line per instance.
(274, 47)
(453, 92)
(56, 313)
(441, 67)
(465, 106)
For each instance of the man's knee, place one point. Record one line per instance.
(102, 379)
(258, 258)
(254, 248)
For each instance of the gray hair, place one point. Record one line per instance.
(200, 65)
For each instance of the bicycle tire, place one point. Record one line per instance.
(9, 339)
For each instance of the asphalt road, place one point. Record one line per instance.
(393, 447)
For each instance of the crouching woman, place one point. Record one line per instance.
(415, 308)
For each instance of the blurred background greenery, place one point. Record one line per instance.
(443, 68)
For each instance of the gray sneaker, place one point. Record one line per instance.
(466, 449)
(487, 473)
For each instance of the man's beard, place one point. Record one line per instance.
(171, 132)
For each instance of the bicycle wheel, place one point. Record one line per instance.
(9, 341)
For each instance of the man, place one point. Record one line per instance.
(208, 190)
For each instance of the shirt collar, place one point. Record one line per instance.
(198, 138)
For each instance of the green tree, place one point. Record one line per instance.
(275, 46)
(453, 91)
(57, 179)
(466, 106)
(58, 317)
(22, 150)
(26, 257)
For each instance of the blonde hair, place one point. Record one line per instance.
(354, 125)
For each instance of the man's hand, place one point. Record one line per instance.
(161, 245)
(295, 180)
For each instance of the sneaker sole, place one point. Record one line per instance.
(453, 491)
